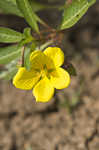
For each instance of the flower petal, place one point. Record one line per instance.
(60, 78)
(56, 54)
(35, 54)
(39, 60)
(43, 91)
(36, 58)
(25, 79)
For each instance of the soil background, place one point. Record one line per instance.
(70, 121)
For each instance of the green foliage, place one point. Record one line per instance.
(28, 37)
(27, 53)
(9, 53)
(27, 32)
(10, 7)
(28, 14)
(10, 36)
(74, 11)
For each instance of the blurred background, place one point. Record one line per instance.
(70, 121)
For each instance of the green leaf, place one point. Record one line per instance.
(10, 36)
(9, 53)
(10, 7)
(74, 11)
(27, 32)
(28, 37)
(25, 41)
(9, 70)
(34, 45)
(27, 53)
(28, 14)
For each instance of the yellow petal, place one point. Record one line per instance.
(43, 91)
(25, 79)
(60, 78)
(36, 59)
(39, 60)
(34, 54)
(56, 54)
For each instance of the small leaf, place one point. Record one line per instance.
(74, 11)
(9, 53)
(28, 37)
(27, 53)
(10, 36)
(27, 32)
(25, 41)
(28, 14)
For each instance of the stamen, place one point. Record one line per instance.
(44, 67)
(38, 70)
(50, 70)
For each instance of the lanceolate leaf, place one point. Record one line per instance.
(28, 13)
(9, 53)
(10, 7)
(74, 11)
(10, 36)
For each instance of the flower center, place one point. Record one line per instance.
(44, 71)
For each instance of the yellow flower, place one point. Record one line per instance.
(45, 74)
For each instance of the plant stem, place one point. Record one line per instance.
(46, 44)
